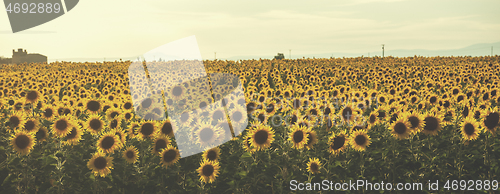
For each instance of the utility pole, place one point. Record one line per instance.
(215, 55)
(491, 50)
(290, 53)
(383, 50)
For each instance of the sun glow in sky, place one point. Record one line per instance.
(254, 28)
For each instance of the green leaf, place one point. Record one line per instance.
(242, 173)
(247, 157)
(6, 180)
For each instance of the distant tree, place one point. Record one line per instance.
(279, 56)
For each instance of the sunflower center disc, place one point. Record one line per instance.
(431, 124)
(167, 128)
(48, 113)
(93, 105)
(14, 121)
(100, 163)
(177, 91)
(338, 142)
(95, 124)
(491, 120)
(107, 142)
(32, 95)
(237, 116)
(314, 167)
(400, 128)
(72, 134)
(130, 154)
(372, 118)
(298, 136)
(469, 129)
(147, 129)
(261, 137)
(160, 144)
(169, 156)
(22, 141)
(211, 155)
(360, 140)
(347, 113)
(61, 125)
(414, 121)
(208, 170)
(146, 103)
(206, 134)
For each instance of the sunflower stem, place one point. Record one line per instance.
(487, 156)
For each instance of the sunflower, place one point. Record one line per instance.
(270, 108)
(432, 122)
(115, 123)
(261, 116)
(62, 126)
(466, 111)
(177, 92)
(415, 121)
(262, 137)
(208, 171)
(32, 96)
(48, 112)
(238, 119)
(469, 129)
(208, 135)
(112, 113)
(212, 154)
(16, 119)
(161, 142)
(130, 154)
(147, 129)
(313, 165)
(74, 136)
(490, 119)
(337, 143)
(432, 99)
(108, 142)
(94, 106)
(373, 119)
(477, 113)
(311, 140)
(31, 125)
(94, 124)
(169, 156)
(401, 128)
(185, 119)
(298, 136)
(167, 128)
(359, 140)
(42, 134)
(448, 116)
(132, 131)
(22, 142)
(100, 164)
(122, 136)
(247, 144)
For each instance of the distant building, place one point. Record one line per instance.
(23, 57)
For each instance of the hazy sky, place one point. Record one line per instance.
(240, 28)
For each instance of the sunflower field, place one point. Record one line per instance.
(74, 128)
